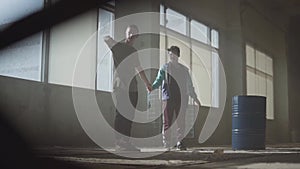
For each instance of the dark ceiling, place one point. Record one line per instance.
(290, 7)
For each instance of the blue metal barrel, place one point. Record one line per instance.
(248, 122)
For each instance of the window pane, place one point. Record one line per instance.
(176, 21)
(22, 59)
(269, 65)
(215, 38)
(251, 81)
(201, 70)
(162, 15)
(105, 63)
(199, 32)
(68, 40)
(250, 57)
(261, 84)
(202, 52)
(12, 10)
(190, 121)
(215, 79)
(260, 61)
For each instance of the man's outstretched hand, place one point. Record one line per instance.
(109, 41)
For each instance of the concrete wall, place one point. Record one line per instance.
(45, 113)
(293, 78)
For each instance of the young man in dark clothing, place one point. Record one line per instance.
(177, 86)
(123, 80)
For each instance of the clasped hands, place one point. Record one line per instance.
(149, 87)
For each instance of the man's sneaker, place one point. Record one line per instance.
(167, 146)
(119, 148)
(131, 147)
(180, 146)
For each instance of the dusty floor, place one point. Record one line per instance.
(274, 157)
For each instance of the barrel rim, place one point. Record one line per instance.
(250, 96)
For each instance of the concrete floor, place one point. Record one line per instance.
(274, 157)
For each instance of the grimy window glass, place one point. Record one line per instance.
(176, 21)
(104, 55)
(24, 58)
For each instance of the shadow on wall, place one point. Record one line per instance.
(16, 153)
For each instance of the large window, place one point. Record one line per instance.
(79, 36)
(260, 77)
(199, 51)
(22, 59)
